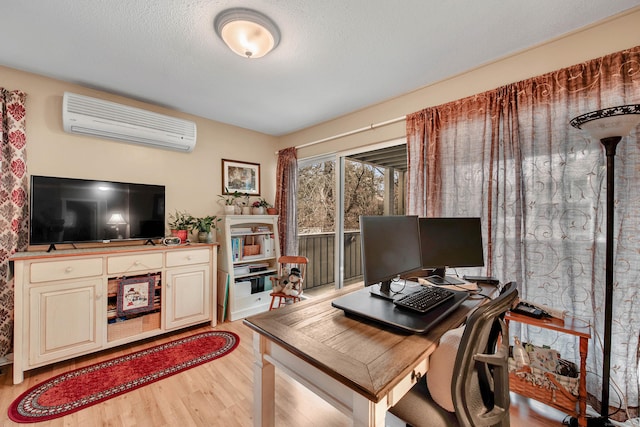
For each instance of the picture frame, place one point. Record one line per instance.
(135, 295)
(243, 177)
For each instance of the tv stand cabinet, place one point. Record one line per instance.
(65, 301)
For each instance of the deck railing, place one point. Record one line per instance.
(319, 248)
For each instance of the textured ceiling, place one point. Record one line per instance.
(335, 56)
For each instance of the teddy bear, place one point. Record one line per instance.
(293, 283)
(282, 281)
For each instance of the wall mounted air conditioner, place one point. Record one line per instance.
(105, 119)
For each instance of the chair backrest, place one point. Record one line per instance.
(289, 261)
(480, 387)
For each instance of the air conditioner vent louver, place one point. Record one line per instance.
(96, 117)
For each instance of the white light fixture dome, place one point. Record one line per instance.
(247, 32)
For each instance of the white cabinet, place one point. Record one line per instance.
(188, 297)
(66, 302)
(65, 319)
(249, 254)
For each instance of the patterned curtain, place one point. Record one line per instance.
(286, 188)
(13, 202)
(511, 157)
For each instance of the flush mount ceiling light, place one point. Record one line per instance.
(247, 32)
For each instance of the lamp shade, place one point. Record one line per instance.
(116, 219)
(609, 122)
(247, 32)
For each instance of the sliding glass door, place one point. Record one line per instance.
(333, 192)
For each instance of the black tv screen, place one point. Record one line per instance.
(68, 210)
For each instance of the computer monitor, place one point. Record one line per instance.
(450, 242)
(390, 247)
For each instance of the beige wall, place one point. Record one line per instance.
(193, 180)
(609, 36)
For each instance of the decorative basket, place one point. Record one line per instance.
(251, 248)
(556, 390)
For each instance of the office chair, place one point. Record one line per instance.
(480, 382)
(286, 263)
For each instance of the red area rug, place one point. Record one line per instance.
(75, 390)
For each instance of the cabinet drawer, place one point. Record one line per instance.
(66, 269)
(407, 383)
(258, 298)
(187, 257)
(131, 263)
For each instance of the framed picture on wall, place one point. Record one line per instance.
(239, 176)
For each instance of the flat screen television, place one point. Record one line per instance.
(390, 247)
(69, 210)
(450, 242)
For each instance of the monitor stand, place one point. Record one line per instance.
(438, 277)
(383, 291)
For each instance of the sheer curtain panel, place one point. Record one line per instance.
(510, 156)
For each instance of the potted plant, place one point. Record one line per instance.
(230, 201)
(180, 223)
(206, 227)
(259, 206)
(244, 204)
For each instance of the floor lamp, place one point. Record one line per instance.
(608, 126)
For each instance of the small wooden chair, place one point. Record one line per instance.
(287, 262)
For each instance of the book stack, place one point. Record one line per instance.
(241, 230)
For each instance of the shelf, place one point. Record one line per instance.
(256, 274)
(237, 231)
(252, 258)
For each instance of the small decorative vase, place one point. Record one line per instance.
(246, 210)
(205, 236)
(258, 211)
(229, 209)
(272, 211)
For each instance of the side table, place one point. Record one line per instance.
(568, 326)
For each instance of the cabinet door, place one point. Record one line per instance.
(64, 320)
(187, 296)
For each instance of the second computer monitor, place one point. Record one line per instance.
(450, 242)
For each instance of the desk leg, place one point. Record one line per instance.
(264, 387)
(368, 414)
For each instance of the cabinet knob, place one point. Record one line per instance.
(189, 258)
(136, 263)
(68, 269)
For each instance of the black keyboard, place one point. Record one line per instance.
(424, 299)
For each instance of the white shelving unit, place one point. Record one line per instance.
(243, 276)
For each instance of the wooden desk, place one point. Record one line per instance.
(359, 367)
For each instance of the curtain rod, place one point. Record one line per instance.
(352, 132)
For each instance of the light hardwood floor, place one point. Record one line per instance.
(218, 393)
